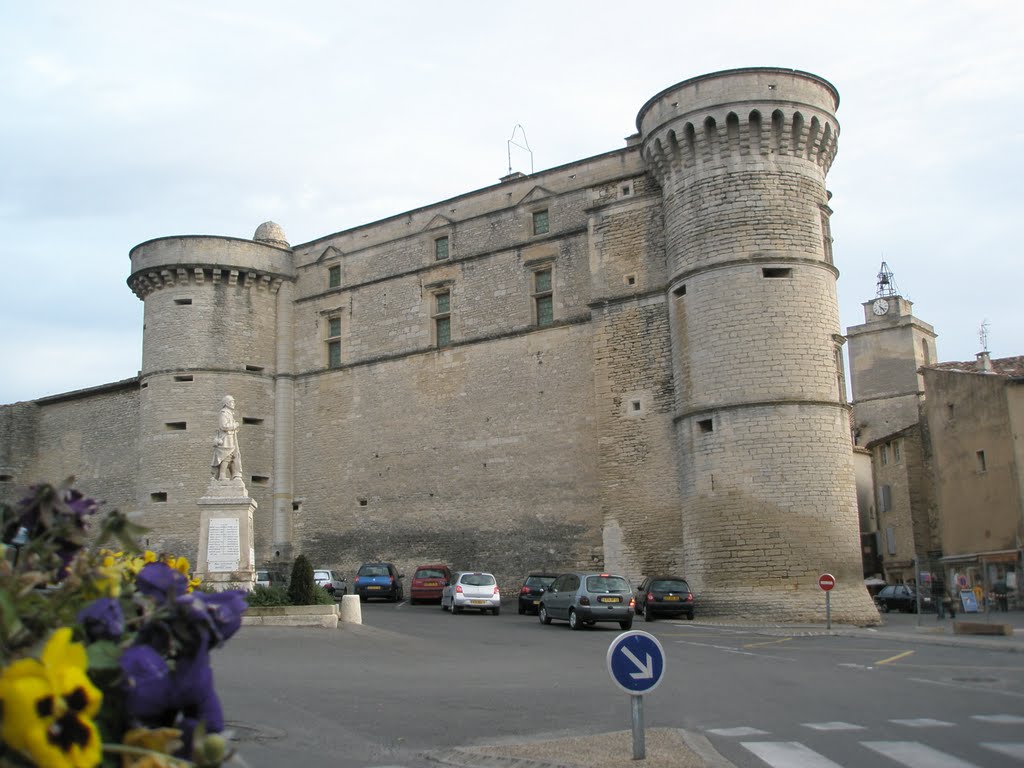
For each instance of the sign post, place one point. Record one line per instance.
(826, 581)
(636, 663)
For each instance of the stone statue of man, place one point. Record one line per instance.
(227, 459)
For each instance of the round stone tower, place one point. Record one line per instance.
(217, 321)
(765, 455)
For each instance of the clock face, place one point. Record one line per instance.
(880, 307)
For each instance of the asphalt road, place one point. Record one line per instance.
(414, 679)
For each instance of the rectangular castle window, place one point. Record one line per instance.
(896, 451)
(883, 454)
(260, 480)
(776, 272)
(334, 276)
(175, 426)
(441, 249)
(543, 297)
(442, 318)
(158, 497)
(540, 222)
(680, 291)
(184, 378)
(982, 465)
(706, 426)
(251, 420)
(183, 302)
(254, 368)
(890, 540)
(333, 342)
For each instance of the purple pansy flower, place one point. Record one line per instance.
(102, 619)
(161, 582)
(148, 685)
(215, 615)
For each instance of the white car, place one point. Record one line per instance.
(472, 589)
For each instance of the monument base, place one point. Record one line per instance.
(227, 557)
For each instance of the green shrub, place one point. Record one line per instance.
(265, 596)
(302, 590)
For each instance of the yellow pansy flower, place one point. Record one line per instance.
(48, 706)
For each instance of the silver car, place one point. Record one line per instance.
(472, 589)
(331, 581)
(583, 599)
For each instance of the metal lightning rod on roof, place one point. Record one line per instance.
(525, 145)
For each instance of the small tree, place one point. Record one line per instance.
(301, 588)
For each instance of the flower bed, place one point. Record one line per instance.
(105, 652)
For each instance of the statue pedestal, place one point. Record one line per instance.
(226, 551)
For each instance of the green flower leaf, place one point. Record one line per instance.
(103, 655)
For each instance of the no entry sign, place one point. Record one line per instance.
(826, 581)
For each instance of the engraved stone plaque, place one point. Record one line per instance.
(223, 549)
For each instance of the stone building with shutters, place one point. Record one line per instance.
(631, 363)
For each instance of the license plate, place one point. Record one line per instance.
(372, 587)
(610, 599)
(478, 602)
(536, 602)
(430, 584)
(671, 598)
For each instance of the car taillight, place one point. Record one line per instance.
(459, 589)
(524, 591)
(632, 602)
(391, 579)
(689, 597)
(355, 580)
(497, 592)
(584, 600)
(650, 597)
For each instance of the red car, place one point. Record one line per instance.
(428, 581)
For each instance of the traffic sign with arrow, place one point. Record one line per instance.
(636, 662)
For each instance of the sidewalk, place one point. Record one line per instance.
(926, 628)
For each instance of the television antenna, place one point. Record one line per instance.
(524, 146)
(983, 335)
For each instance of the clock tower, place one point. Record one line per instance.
(885, 354)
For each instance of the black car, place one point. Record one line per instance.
(529, 593)
(903, 598)
(379, 580)
(665, 596)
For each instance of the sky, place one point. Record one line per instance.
(126, 121)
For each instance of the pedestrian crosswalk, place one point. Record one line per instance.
(910, 753)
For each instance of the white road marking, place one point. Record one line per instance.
(1010, 749)
(914, 755)
(740, 731)
(836, 726)
(923, 722)
(1000, 719)
(788, 754)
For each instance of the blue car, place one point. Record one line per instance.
(379, 581)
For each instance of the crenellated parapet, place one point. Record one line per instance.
(145, 283)
(746, 114)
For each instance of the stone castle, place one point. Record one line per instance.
(632, 362)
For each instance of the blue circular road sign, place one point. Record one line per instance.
(636, 662)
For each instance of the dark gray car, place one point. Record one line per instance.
(583, 599)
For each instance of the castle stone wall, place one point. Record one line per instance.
(481, 456)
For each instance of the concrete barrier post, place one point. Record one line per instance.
(351, 610)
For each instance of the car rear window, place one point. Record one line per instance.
(325, 575)
(669, 585)
(428, 573)
(373, 570)
(607, 584)
(539, 581)
(478, 579)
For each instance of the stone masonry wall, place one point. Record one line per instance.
(481, 456)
